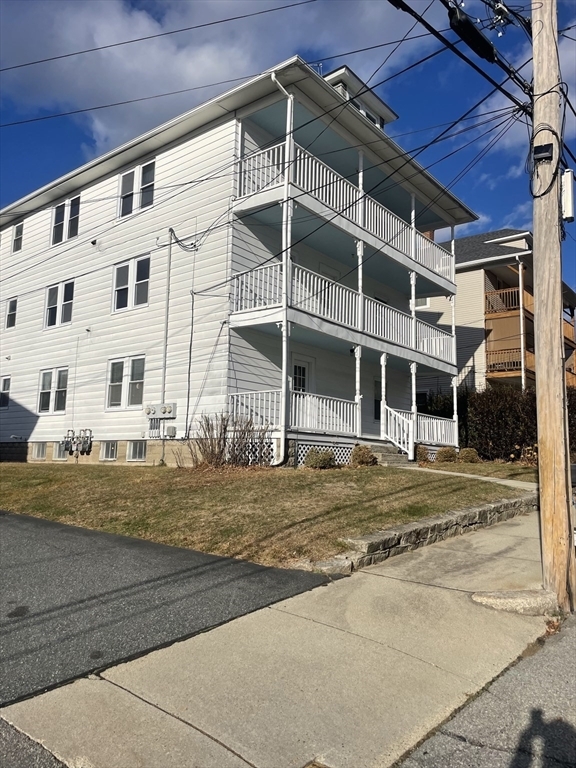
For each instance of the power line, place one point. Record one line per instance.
(159, 34)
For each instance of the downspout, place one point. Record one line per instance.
(286, 274)
(522, 323)
(165, 350)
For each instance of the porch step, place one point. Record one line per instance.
(388, 455)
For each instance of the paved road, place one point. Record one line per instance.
(74, 600)
(525, 719)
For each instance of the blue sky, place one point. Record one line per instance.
(438, 91)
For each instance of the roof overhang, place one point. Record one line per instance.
(292, 72)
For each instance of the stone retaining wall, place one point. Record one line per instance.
(379, 546)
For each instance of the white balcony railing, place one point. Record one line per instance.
(333, 301)
(261, 287)
(398, 429)
(318, 413)
(434, 430)
(323, 297)
(262, 407)
(264, 169)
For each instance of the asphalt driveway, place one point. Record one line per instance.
(73, 600)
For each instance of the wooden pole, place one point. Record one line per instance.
(559, 573)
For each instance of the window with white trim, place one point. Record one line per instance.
(137, 188)
(59, 452)
(5, 392)
(11, 307)
(53, 390)
(66, 220)
(126, 383)
(109, 450)
(17, 237)
(39, 451)
(422, 304)
(131, 283)
(136, 450)
(59, 300)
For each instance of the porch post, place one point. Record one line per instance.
(360, 255)
(414, 431)
(413, 309)
(413, 225)
(361, 206)
(358, 397)
(453, 252)
(287, 208)
(383, 358)
(522, 324)
(455, 408)
(454, 347)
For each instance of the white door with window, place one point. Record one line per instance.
(303, 415)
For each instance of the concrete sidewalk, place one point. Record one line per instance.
(351, 674)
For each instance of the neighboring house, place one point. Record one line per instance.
(495, 313)
(260, 255)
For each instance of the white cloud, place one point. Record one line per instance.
(520, 217)
(37, 29)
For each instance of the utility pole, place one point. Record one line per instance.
(556, 511)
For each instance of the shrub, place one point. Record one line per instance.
(447, 454)
(318, 459)
(362, 456)
(422, 455)
(469, 456)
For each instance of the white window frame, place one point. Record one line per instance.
(62, 309)
(52, 386)
(5, 382)
(126, 382)
(106, 450)
(11, 312)
(39, 451)
(17, 237)
(309, 364)
(426, 304)
(126, 280)
(130, 450)
(141, 193)
(59, 452)
(62, 217)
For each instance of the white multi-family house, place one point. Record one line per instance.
(260, 255)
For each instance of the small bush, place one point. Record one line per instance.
(529, 455)
(318, 459)
(469, 456)
(362, 456)
(422, 455)
(446, 455)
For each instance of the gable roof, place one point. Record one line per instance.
(491, 245)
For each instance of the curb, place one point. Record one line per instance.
(379, 546)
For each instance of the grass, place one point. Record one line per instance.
(270, 516)
(502, 470)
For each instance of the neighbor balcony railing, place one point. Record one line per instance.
(333, 301)
(263, 170)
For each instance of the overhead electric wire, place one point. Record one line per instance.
(156, 35)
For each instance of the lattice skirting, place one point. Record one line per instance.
(342, 453)
(260, 452)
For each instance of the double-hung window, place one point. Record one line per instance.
(11, 307)
(126, 383)
(131, 283)
(59, 300)
(66, 220)
(5, 392)
(53, 390)
(137, 188)
(18, 234)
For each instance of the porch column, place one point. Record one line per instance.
(453, 252)
(452, 300)
(413, 309)
(358, 396)
(522, 324)
(414, 430)
(413, 226)
(360, 255)
(455, 408)
(361, 206)
(383, 358)
(287, 208)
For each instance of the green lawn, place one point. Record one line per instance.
(491, 469)
(270, 516)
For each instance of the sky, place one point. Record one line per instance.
(496, 187)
